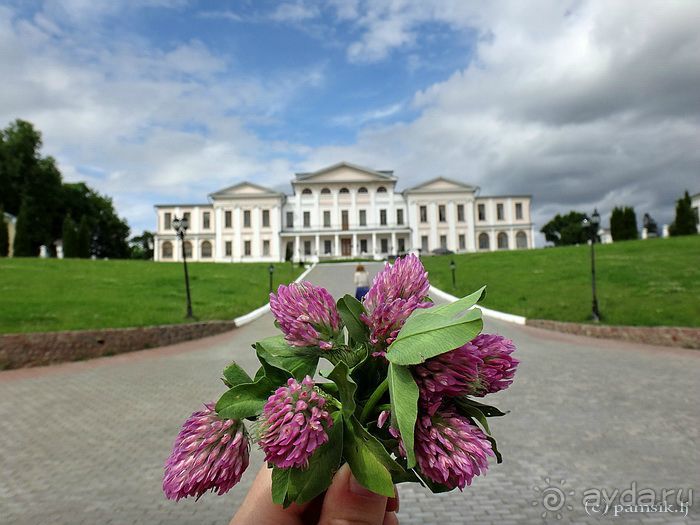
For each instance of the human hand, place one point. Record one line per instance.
(345, 501)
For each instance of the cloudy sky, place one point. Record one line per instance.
(581, 104)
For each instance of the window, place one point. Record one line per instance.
(227, 219)
(381, 189)
(266, 247)
(518, 210)
(363, 245)
(482, 212)
(362, 190)
(246, 218)
(206, 220)
(423, 214)
(363, 217)
(382, 217)
(166, 249)
(460, 212)
(266, 218)
(290, 219)
(442, 214)
(502, 241)
(399, 216)
(188, 249)
(499, 211)
(521, 240)
(326, 219)
(206, 250)
(246, 248)
(306, 191)
(307, 247)
(483, 239)
(186, 217)
(167, 223)
(229, 248)
(385, 245)
(424, 243)
(402, 245)
(326, 191)
(307, 219)
(443, 241)
(344, 190)
(345, 219)
(462, 241)
(327, 247)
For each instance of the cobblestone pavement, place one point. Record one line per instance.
(85, 442)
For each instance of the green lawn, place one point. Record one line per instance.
(645, 283)
(39, 295)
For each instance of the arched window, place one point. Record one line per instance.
(521, 240)
(188, 248)
(344, 190)
(306, 191)
(381, 189)
(502, 241)
(166, 250)
(484, 241)
(326, 191)
(362, 190)
(206, 249)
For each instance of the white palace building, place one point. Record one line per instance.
(341, 211)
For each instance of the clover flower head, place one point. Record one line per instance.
(498, 365)
(294, 424)
(451, 374)
(209, 453)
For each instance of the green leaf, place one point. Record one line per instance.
(350, 310)
(488, 410)
(298, 361)
(325, 461)
(280, 484)
(403, 392)
(369, 461)
(275, 374)
(234, 375)
(244, 401)
(473, 412)
(340, 375)
(435, 488)
(499, 458)
(433, 331)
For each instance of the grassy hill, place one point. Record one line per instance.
(39, 295)
(646, 283)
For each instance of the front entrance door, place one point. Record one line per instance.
(345, 222)
(346, 247)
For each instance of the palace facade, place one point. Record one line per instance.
(347, 211)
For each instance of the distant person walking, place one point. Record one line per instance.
(361, 280)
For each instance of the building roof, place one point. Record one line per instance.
(424, 187)
(382, 174)
(239, 190)
(207, 205)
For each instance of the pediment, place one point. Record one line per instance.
(345, 172)
(245, 190)
(441, 185)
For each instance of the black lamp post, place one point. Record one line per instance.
(592, 225)
(180, 226)
(453, 266)
(271, 270)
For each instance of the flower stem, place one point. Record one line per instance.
(373, 400)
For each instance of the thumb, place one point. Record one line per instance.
(349, 502)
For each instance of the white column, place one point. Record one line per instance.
(433, 221)
(255, 223)
(531, 243)
(219, 233)
(336, 245)
(353, 249)
(374, 244)
(335, 213)
(452, 225)
(471, 230)
(318, 245)
(156, 249)
(316, 221)
(391, 219)
(298, 220)
(177, 247)
(354, 220)
(276, 240)
(237, 242)
(393, 247)
(373, 216)
(296, 256)
(413, 222)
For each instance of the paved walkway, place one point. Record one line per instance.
(85, 442)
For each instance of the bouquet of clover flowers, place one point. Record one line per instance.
(398, 405)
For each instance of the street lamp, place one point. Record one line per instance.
(271, 270)
(453, 266)
(592, 226)
(180, 226)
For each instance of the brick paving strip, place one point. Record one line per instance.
(85, 442)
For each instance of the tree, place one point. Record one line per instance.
(70, 238)
(566, 229)
(4, 235)
(623, 224)
(26, 244)
(142, 246)
(686, 221)
(84, 238)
